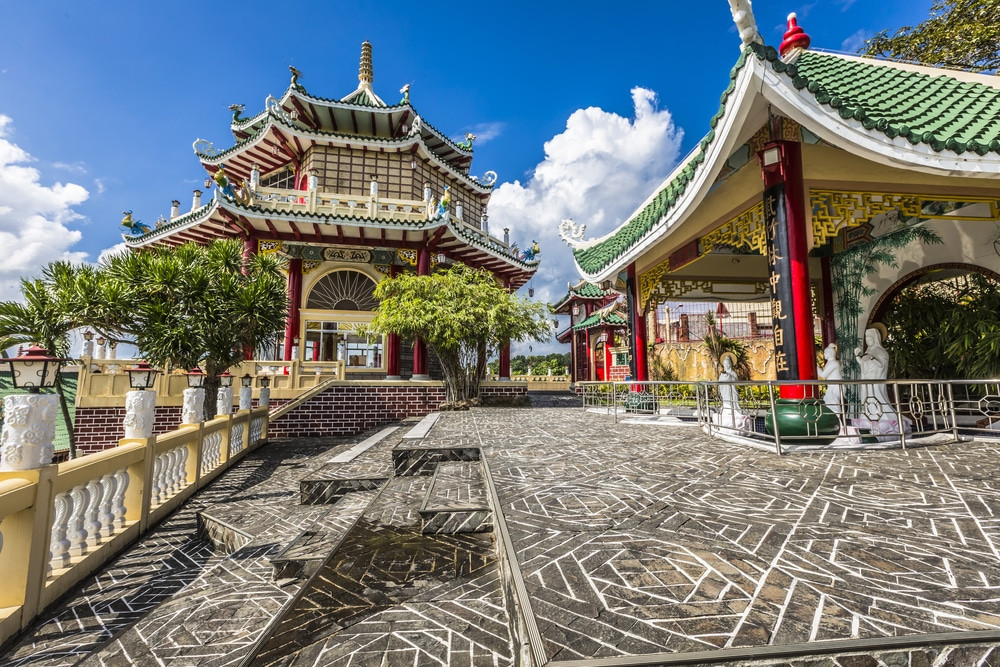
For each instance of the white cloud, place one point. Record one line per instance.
(77, 168)
(33, 217)
(854, 43)
(596, 172)
(107, 253)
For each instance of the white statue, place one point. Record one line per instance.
(730, 415)
(831, 371)
(876, 413)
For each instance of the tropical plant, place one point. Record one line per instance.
(959, 33)
(716, 345)
(946, 329)
(463, 316)
(849, 277)
(40, 317)
(184, 307)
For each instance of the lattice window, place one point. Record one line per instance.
(343, 290)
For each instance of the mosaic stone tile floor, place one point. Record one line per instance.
(631, 540)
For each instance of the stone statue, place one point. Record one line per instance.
(730, 414)
(876, 412)
(831, 371)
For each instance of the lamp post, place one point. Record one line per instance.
(88, 344)
(246, 391)
(140, 404)
(30, 419)
(194, 398)
(264, 397)
(224, 398)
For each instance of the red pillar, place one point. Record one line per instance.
(505, 348)
(392, 347)
(788, 259)
(638, 326)
(419, 346)
(294, 302)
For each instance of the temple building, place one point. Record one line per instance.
(350, 191)
(825, 184)
(597, 333)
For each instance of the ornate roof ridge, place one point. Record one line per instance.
(275, 117)
(807, 75)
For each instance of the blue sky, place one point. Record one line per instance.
(581, 108)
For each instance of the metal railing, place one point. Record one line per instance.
(869, 413)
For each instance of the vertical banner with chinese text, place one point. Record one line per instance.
(780, 278)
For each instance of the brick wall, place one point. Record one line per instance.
(101, 428)
(343, 410)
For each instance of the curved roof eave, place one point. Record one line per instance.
(757, 80)
(724, 143)
(274, 121)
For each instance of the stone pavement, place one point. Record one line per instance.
(631, 540)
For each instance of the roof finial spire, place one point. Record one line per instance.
(743, 18)
(795, 37)
(365, 74)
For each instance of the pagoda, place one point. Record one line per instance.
(350, 191)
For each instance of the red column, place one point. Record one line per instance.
(294, 302)
(505, 348)
(638, 326)
(392, 347)
(788, 259)
(419, 346)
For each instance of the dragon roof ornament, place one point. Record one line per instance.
(745, 24)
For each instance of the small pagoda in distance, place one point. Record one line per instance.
(350, 191)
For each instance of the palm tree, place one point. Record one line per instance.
(716, 344)
(40, 318)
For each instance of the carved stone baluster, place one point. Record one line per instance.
(59, 544)
(118, 502)
(157, 487)
(93, 524)
(77, 532)
(109, 484)
(182, 456)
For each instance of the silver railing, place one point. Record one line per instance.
(870, 413)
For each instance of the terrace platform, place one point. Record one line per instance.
(617, 544)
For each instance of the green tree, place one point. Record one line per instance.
(959, 33)
(183, 307)
(463, 316)
(40, 317)
(945, 329)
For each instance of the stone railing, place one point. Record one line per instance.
(539, 382)
(104, 382)
(61, 522)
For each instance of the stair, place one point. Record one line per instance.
(456, 500)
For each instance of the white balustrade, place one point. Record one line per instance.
(256, 430)
(77, 530)
(236, 439)
(211, 451)
(92, 513)
(169, 474)
(59, 542)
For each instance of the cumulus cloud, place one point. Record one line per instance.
(597, 171)
(854, 43)
(34, 218)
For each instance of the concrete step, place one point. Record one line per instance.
(304, 555)
(456, 500)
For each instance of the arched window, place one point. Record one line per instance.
(343, 290)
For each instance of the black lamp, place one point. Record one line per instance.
(195, 378)
(141, 376)
(246, 380)
(226, 380)
(34, 369)
(265, 381)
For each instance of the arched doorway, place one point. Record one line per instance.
(337, 304)
(939, 320)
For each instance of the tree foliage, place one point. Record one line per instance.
(716, 345)
(182, 307)
(959, 33)
(945, 329)
(463, 316)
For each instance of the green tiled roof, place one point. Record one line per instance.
(600, 319)
(938, 110)
(934, 109)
